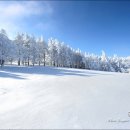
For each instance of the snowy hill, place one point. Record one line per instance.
(48, 97)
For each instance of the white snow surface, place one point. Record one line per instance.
(63, 98)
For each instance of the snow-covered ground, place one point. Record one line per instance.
(47, 97)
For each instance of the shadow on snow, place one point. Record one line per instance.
(10, 75)
(10, 71)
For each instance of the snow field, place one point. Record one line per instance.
(63, 98)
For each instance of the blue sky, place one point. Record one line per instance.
(91, 26)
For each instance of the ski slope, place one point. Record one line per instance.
(63, 98)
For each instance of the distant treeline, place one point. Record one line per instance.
(28, 50)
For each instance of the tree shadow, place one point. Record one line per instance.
(10, 71)
(10, 75)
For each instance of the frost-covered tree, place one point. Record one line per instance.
(53, 52)
(41, 50)
(19, 41)
(5, 44)
(62, 55)
(69, 57)
(33, 50)
(77, 59)
(27, 49)
(104, 62)
(12, 53)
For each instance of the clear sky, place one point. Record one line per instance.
(91, 26)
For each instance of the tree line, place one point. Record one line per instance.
(28, 50)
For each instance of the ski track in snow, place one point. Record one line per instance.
(63, 98)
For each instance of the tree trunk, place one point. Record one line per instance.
(28, 61)
(19, 62)
(39, 63)
(44, 59)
